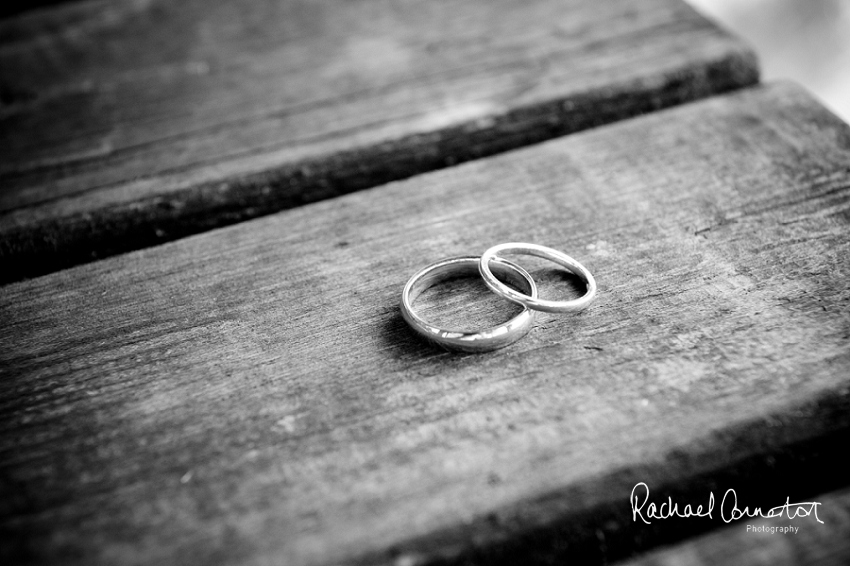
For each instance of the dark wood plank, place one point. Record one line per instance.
(127, 124)
(251, 395)
(14, 7)
(826, 544)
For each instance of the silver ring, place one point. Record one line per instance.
(482, 341)
(531, 301)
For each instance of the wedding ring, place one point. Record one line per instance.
(482, 341)
(489, 258)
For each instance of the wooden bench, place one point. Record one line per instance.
(251, 395)
(148, 122)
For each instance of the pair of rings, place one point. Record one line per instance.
(488, 265)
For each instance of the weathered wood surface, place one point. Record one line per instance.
(127, 124)
(252, 396)
(826, 544)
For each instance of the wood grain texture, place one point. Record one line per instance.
(127, 124)
(251, 395)
(826, 544)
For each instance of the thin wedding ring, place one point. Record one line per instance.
(482, 341)
(530, 301)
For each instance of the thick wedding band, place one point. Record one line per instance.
(489, 258)
(482, 341)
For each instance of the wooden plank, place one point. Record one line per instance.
(826, 544)
(252, 396)
(127, 124)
